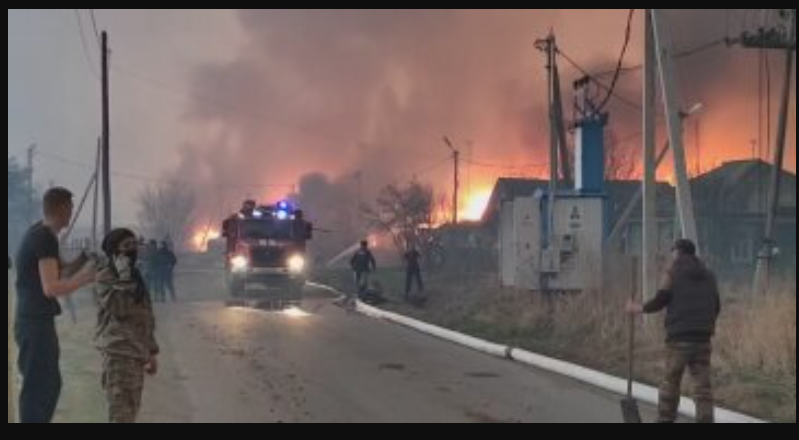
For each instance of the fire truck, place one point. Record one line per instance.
(266, 257)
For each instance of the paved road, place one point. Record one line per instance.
(225, 364)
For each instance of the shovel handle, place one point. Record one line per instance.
(631, 323)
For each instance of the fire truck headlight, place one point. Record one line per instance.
(239, 264)
(296, 264)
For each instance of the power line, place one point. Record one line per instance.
(94, 25)
(84, 43)
(151, 179)
(599, 83)
(719, 42)
(596, 78)
(430, 168)
(686, 53)
(480, 164)
(627, 37)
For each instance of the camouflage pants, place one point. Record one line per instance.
(123, 382)
(696, 358)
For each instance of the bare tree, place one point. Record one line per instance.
(621, 158)
(404, 213)
(167, 212)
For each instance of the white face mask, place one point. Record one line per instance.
(124, 266)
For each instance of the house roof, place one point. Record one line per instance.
(720, 189)
(619, 194)
(709, 189)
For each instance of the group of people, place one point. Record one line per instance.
(364, 264)
(157, 265)
(125, 333)
(126, 323)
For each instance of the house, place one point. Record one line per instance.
(731, 202)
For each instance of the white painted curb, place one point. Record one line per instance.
(615, 385)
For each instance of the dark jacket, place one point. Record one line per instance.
(690, 296)
(363, 261)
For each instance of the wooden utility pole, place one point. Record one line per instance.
(96, 201)
(106, 168)
(31, 214)
(456, 160)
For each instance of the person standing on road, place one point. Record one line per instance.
(413, 272)
(363, 264)
(690, 296)
(41, 280)
(125, 327)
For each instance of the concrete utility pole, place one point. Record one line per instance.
(650, 226)
(659, 73)
(775, 40)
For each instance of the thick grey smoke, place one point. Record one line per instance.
(332, 93)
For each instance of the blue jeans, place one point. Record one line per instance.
(362, 282)
(38, 363)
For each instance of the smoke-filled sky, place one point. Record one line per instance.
(247, 102)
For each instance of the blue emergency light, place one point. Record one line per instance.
(284, 210)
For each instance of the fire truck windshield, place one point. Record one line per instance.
(266, 229)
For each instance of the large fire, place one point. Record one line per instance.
(202, 237)
(476, 205)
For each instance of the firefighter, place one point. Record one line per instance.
(363, 264)
(413, 272)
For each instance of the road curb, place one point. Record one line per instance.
(643, 393)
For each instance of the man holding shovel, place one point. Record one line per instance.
(690, 297)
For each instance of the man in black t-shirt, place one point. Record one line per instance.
(40, 282)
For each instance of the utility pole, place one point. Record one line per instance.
(774, 39)
(96, 202)
(659, 74)
(456, 159)
(698, 145)
(557, 116)
(559, 157)
(650, 225)
(674, 123)
(12, 395)
(359, 189)
(31, 214)
(106, 168)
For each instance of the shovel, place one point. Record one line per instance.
(629, 406)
